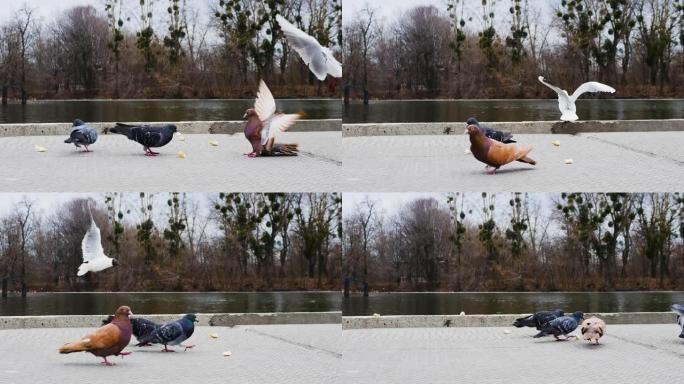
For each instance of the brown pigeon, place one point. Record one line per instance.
(264, 123)
(494, 153)
(107, 340)
(593, 328)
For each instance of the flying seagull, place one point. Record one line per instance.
(94, 259)
(318, 58)
(566, 103)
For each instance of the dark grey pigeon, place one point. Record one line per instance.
(173, 333)
(679, 310)
(538, 320)
(150, 136)
(561, 326)
(82, 134)
(504, 137)
(141, 327)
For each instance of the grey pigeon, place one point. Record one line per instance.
(504, 137)
(173, 333)
(150, 136)
(679, 310)
(538, 320)
(561, 326)
(82, 134)
(141, 326)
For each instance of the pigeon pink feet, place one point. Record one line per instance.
(252, 154)
(166, 349)
(107, 363)
(122, 354)
(187, 347)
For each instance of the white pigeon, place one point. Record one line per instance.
(566, 103)
(318, 58)
(94, 259)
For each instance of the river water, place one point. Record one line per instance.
(431, 303)
(396, 111)
(62, 111)
(38, 304)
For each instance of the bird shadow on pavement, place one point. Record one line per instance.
(94, 364)
(504, 171)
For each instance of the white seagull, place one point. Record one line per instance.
(318, 58)
(566, 103)
(94, 259)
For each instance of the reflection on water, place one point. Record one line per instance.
(396, 111)
(495, 303)
(154, 110)
(163, 303)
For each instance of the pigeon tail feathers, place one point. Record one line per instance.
(527, 321)
(121, 129)
(78, 346)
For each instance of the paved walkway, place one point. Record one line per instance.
(628, 354)
(260, 354)
(629, 162)
(118, 164)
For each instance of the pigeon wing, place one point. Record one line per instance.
(170, 332)
(104, 337)
(591, 86)
(280, 122)
(92, 243)
(677, 308)
(150, 137)
(264, 104)
(316, 57)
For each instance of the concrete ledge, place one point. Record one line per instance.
(457, 128)
(185, 127)
(438, 321)
(205, 319)
(230, 320)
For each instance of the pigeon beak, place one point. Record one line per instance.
(244, 116)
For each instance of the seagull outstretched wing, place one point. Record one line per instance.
(591, 86)
(318, 58)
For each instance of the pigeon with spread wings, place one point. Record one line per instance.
(264, 123)
(318, 58)
(94, 259)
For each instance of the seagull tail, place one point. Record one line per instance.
(82, 269)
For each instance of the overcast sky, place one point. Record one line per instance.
(388, 204)
(391, 9)
(46, 204)
(48, 10)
